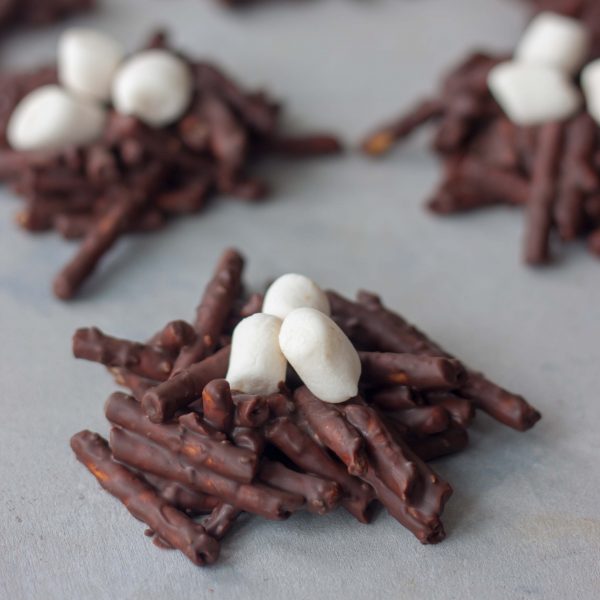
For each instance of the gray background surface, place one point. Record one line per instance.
(523, 522)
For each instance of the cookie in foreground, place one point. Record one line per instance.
(298, 400)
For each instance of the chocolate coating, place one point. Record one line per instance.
(142, 502)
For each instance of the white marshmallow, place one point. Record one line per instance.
(292, 291)
(533, 94)
(50, 118)
(155, 86)
(87, 62)
(321, 354)
(590, 83)
(554, 41)
(257, 365)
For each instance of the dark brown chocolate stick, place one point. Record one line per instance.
(422, 420)
(212, 313)
(333, 430)
(471, 184)
(369, 324)
(300, 448)
(221, 520)
(577, 176)
(321, 495)
(162, 402)
(250, 411)
(217, 405)
(420, 505)
(381, 141)
(173, 336)
(140, 453)
(543, 193)
(387, 455)
(395, 398)
(39, 12)
(421, 372)
(182, 498)
(142, 502)
(132, 199)
(257, 110)
(436, 446)
(460, 409)
(136, 384)
(146, 361)
(307, 146)
(214, 453)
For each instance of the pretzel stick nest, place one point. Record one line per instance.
(137, 177)
(185, 440)
(551, 170)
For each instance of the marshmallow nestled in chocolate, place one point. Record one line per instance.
(87, 62)
(554, 41)
(155, 86)
(257, 365)
(50, 118)
(292, 291)
(533, 94)
(590, 83)
(321, 354)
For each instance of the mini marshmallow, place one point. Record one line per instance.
(50, 118)
(321, 354)
(87, 62)
(533, 94)
(590, 83)
(554, 41)
(292, 291)
(155, 86)
(257, 365)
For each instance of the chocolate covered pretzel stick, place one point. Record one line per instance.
(182, 498)
(382, 140)
(39, 12)
(142, 502)
(422, 420)
(333, 430)
(369, 323)
(210, 452)
(221, 520)
(442, 444)
(421, 372)
(543, 192)
(301, 449)
(107, 230)
(140, 453)
(460, 409)
(420, 504)
(212, 313)
(147, 361)
(217, 405)
(162, 402)
(321, 495)
(137, 385)
(577, 176)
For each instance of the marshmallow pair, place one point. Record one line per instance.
(155, 86)
(537, 85)
(295, 327)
